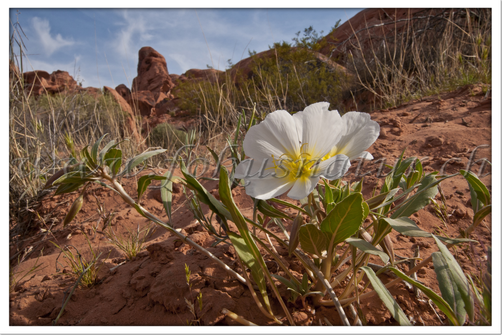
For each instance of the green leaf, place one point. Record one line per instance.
(386, 297)
(345, 219)
(248, 258)
(95, 148)
(105, 149)
(368, 248)
(287, 283)
(270, 211)
(294, 235)
(215, 156)
(74, 177)
(381, 198)
(448, 287)
(457, 277)
(328, 197)
(141, 158)
(312, 240)
(204, 196)
(145, 181)
(400, 169)
(113, 158)
(67, 188)
(440, 302)
(407, 227)
(425, 192)
(482, 192)
(481, 214)
(87, 158)
(166, 193)
(245, 243)
(287, 204)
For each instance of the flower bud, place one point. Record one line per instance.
(75, 208)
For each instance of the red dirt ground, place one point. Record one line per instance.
(151, 289)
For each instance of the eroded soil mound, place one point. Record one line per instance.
(450, 129)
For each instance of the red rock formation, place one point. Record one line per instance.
(152, 73)
(243, 70)
(40, 82)
(124, 91)
(210, 75)
(130, 120)
(371, 26)
(142, 102)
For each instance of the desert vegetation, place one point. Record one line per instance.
(328, 251)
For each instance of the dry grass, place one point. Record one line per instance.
(440, 51)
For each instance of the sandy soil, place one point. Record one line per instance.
(151, 290)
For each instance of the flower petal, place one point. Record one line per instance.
(333, 168)
(366, 155)
(276, 135)
(360, 133)
(262, 181)
(303, 187)
(321, 129)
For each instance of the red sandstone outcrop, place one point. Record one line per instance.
(210, 75)
(124, 91)
(152, 73)
(369, 27)
(41, 82)
(243, 70)
(130, 119)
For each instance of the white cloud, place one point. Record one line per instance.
(49, 43)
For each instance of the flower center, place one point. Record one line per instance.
(294, 167)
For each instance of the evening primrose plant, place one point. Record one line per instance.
(335, 233)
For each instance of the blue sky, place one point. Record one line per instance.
(100, 47)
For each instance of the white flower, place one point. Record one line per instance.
(292, 152)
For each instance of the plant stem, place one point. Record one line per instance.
(152, 217)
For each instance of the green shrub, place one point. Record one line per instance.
(166, 136)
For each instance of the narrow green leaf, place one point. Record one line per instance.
(287, 204)
(67, 188)
(245, 243)
(448, 287)
(420, 199)
(293, 236)
(287, 283)
(381, 198)
(368, 248)
(386, 297)
(345, 219)
(166, 193)
(141, 158)
(481, 214)
(113, 158)
(438, 301)
(407, 227)
(459, 278)
(328, 197)
(270, 211)
(400, 169)
(74, 177)
(87, 158)
(312, 240)
(145, 181)
(95, 148)
(105, 149)
(248, 258)
(204, 196)
(481, 191)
